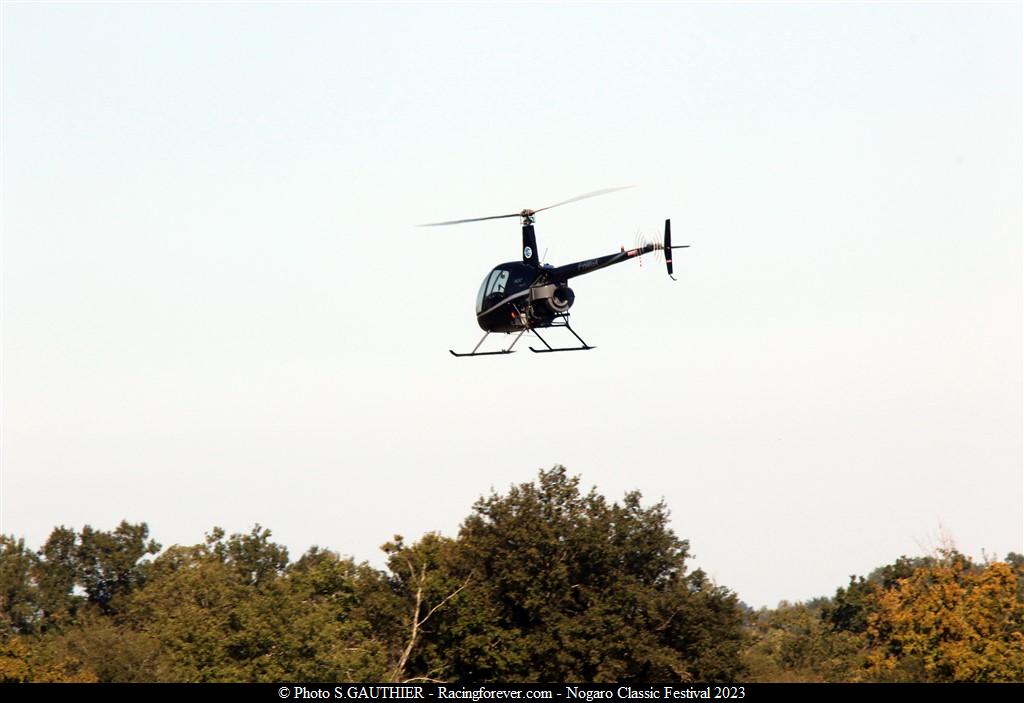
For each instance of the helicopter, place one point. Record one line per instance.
(524, 296)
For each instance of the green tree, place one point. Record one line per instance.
(342, 616)
(425, 583)
(253, 557)
(563, 586)
(232, 609)
(110, 564)
(19, 594)
(101, 648)
(104, 565)
(189, 604)
(793, 643)
(57, 571)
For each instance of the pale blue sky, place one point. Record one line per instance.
(217, 309)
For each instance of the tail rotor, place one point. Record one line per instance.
(642, 244)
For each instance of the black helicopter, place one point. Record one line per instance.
(523, 296)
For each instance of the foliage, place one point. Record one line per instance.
(110, 564)
(562, 586)
(231, 610)
(428, 589)
(38, 591)
(950, 621)
(22, 663)
(19, 596)
(849, 610)
(100, 649)
(794, 643)
(932, 619)
(542, 583)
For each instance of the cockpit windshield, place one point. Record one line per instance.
(494, 282)
(498, 281)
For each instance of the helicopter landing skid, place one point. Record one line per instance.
(565, 324)
(490, 353)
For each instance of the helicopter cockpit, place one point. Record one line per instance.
(494, 283)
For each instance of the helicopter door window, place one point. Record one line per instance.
(487, 288)
(496, 282)
(499, 282)
(491, 281)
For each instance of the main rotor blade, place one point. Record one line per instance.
(527, 213)
(592, 194)
(472, 219)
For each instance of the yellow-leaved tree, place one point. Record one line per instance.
(950, 621)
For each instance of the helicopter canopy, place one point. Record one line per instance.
(505, 280)
(494, 283)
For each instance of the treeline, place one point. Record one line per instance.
(542, 583)
(931, 619)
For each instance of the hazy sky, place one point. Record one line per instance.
(217, 309)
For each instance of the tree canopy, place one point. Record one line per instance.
(544, 582)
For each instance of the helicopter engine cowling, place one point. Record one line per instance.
(550, 299)
(561, 299)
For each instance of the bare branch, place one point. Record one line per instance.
(417, 622)
(668, 620)
(446, 599)
(423, 678)
(414, 635)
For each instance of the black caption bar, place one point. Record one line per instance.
(563, 693)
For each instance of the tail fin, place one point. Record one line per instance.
(669, 248)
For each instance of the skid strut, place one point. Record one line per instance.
(562, 320)
(507, 350)
(565, 323)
